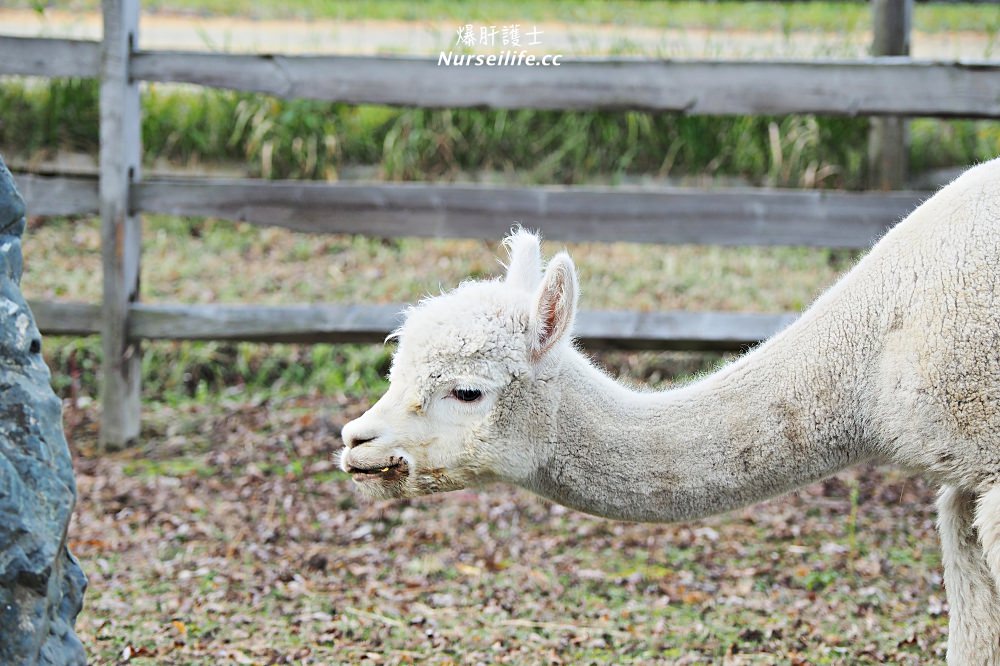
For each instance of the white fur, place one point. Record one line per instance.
(898, 362)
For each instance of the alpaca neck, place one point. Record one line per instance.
(751, 431)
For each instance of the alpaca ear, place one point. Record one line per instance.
(525, 269)
(555, 306)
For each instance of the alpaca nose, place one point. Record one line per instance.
(351, 442)
(354, 435)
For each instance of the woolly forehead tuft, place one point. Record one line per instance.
(477, 318)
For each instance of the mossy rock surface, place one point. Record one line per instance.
(41, 583)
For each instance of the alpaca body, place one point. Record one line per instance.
(898, 362)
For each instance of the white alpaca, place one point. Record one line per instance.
(899, 362)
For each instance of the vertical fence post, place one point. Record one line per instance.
(888, 139)
(120, 229)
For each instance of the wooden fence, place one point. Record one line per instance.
(883, 86)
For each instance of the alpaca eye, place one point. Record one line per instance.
(466, 395)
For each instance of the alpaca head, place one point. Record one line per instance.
(467, 400)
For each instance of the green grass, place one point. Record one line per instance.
(776, 16)
(176, 373)
(275, 138)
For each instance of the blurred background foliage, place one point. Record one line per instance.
(187, 128)
(276, 138)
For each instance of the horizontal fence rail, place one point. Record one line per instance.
(600, 214)
(878, 86)
(605, 214)
(55, 196)
(40, 56)
(371, 323)
(875, 86)
(61, 318)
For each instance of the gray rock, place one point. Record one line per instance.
(41, 583)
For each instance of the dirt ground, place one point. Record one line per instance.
(228, 537)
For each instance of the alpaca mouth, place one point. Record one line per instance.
(395, 469)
